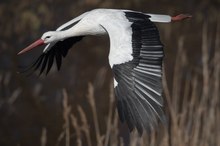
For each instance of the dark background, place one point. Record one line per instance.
(30, 103)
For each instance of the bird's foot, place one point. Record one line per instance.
(180, 17)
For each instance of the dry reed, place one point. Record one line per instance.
(43, 139)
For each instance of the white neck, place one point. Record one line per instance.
(82, 29)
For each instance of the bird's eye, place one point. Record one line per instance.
(47, 37)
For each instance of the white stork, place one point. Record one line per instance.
(135, 56)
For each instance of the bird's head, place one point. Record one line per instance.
(47, 37)
(50, 36)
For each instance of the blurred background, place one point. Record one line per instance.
(75, 106)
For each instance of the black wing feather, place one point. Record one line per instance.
(50, 61)
(139, 80)
(56, 52)
(37, 64)
(58, 60)
(44, 64)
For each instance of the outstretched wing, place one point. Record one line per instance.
(137, 80)
(58, 51)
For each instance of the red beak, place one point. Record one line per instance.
(32, 46)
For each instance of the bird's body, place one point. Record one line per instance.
(135, 57)
(111, 21)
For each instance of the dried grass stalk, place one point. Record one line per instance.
(114, 140)
(43, 139)
(91, 100)
(109, 118)
(205, 58)
(85, 125)
(66, 115)
(77, 130)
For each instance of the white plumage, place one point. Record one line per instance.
(135, 56)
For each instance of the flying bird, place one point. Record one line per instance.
(135, 56)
